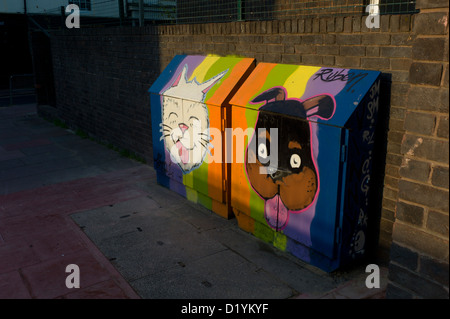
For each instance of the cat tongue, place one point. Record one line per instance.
(276, 213)
(183, 152)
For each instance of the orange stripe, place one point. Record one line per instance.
(240, 191)
(252, 85)
(229, 83)
(215, 173)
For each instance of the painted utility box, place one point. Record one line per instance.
(189, 107)
(303, 138)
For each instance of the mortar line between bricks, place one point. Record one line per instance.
(427, 113)
(421, 205)
(417, 272)
(435, 10)
(396, 285)
(424, 183)
(433, 36)
(425, 159)
(434, 137)
(422, 229)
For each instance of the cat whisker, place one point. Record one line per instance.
(203, 144)
(207, 141)
(164, 136)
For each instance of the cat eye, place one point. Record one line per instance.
(296, 161)
(194, 121)
(173, 114)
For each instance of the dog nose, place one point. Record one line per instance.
(277, 174)
(183, 127)
(271, 170)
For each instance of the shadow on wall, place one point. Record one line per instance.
(15, 57)
(43, 68)
(103, 75)
(376, 252)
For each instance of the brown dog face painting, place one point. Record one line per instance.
(287, 180)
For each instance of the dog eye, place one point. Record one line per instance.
(296, 161)
(262, 151)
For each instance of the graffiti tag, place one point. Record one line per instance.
(331, 75)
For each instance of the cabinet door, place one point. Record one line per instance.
(316, 226)
(184, 149)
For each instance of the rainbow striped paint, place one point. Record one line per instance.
(326, 117)
(189, 102)
(287, 149)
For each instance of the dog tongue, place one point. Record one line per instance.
(276, 213)
(183, 152)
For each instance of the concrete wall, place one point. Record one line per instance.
(102, 78)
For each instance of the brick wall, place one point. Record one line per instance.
(102, 77)
(420, 249)
(101, 80)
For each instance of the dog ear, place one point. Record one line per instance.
(321, 105)
(275, 93)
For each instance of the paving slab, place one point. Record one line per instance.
(65, 199)
(223, 275)
(160, 248)
(12, 286)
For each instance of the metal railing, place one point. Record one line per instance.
(21, 85)
(195, 11)
(142, 12)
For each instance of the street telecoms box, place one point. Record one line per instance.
(303, 139)
(287, 149)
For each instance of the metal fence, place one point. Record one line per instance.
(21, 90)
(195, 11)
(144, 12)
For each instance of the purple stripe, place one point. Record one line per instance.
(317, 86)
(193, 61)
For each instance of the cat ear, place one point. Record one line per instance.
(205, 86)
(182, 75)
(321, 105)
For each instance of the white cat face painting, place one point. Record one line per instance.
(185, 121)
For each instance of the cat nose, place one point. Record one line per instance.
(183, 127)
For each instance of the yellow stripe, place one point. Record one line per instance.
(203, 68)
(188, 179)
(296, 83)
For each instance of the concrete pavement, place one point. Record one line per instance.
(68, 200)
